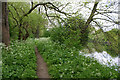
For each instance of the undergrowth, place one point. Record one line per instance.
(19, 60)
(66, 62)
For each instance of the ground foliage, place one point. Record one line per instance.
(19, 60)
(66, 62)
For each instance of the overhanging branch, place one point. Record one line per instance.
(15, 10)
(13, 17)
(112, 21)
(52, 6)
(89, 20)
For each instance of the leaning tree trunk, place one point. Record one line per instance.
(5, 25)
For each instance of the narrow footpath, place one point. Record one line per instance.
(42, 70)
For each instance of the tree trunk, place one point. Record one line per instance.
(5, 25)
(37, 32)
(89, 20)
(0, 22)
(27, 33)
(19, 34)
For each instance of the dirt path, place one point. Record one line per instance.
(42, 71)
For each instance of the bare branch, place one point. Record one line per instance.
(109, 18)
(22, 10)
(15, 10)
(89, 20)
(48, 15)
(98, 24)
(112, 21)
(47, 3)
(31, 3)
(105, 12)
(13, 17)
(106, 34)
(65, 6)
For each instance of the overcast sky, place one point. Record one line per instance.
(75, 5)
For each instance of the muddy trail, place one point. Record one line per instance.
(42, 70)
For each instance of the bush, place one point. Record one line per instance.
(46, 33)
(58, 34)
(70, 33)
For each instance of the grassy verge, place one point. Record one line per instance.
(19, 60)
(67, 63)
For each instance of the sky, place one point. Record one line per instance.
(74, 6)
(86, 12)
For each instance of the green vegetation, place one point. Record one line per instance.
(103, 41)
(67, 63)
(31, 25)
(19, 60)
(0, 63)
(59, 46)
(70, 33)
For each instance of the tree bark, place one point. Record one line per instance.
(27, 32)
(0, 22)
(37, 32)
(31, 3)
(20, 33)
(5, 25)
(89, 20)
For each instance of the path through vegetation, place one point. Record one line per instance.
(42, 71)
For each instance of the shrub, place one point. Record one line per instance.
(70, 33)
(46, 33)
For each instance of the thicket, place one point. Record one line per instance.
(30, 27)
(71, 33)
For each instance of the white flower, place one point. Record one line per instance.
(71, 75)
(72, 71)
(103, 58)
(72, 55)
(61, 76)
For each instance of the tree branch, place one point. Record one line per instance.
(117, 12)
(31, 3)
(22, 11)
(112, 21)
(13, 17)
(97, 24)
(65, 6)
(47, 3)
(48, 15)
(91, 15)
(15, 10)
(106, 34)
